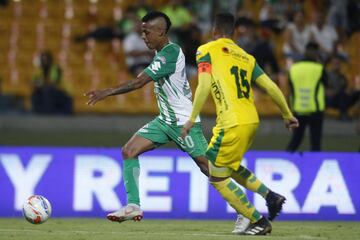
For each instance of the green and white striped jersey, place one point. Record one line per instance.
(172, 88)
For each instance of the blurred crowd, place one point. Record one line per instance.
(276, 36)
(276, 32)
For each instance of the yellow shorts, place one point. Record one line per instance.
(227, 146)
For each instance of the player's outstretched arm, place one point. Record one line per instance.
(201, 94)
(276, 95)
(98, 95)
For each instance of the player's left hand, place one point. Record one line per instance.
(96, 96)
(186, 128)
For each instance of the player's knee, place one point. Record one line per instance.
(213, 180)
(202, 160)
(204, 169)
(218, 183)
(202, 163)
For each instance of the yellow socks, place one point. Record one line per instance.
(247, 179)
(237, 199)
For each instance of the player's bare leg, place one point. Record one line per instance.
(130, 152)
(202, 163)
(136, 146)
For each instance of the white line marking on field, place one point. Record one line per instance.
(300, 237)
(311, 237)
(57, 232)
(111, 232)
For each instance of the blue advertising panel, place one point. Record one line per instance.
(87, 182)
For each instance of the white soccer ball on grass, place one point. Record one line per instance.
(36, 209)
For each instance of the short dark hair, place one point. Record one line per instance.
(225, 23)
(156, 14)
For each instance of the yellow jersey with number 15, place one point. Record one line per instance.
(232, 71)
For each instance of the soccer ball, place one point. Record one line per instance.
(36, 209)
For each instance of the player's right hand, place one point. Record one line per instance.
(96, 96)
(291, 123)
(186, 129)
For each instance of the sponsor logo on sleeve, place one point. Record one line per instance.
(162, 59)
(155, 66)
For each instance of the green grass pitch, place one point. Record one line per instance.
(91, 229)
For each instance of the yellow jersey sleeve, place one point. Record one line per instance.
(203, 60)
(257, 72)
(202, 92)
(203, 54)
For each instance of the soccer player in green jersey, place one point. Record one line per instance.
(174, 99)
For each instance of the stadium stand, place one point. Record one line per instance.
(28, 27)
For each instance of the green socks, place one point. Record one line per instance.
(131, 179)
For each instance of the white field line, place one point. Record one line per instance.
(57, 232)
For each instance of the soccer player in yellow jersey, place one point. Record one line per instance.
(228, 72)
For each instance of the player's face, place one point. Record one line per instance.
(149, 35)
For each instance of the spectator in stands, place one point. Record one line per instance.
(106, 33)
(281, 10)
(273, 15)
(307, 80)
(259, 45)
(190, 39)
(324, 34)
(338, 15)
(137, 54)
(245, 34)
(264, 52)
(202, 10)
(297, 35)
(135, 12)
(338, 94)
(180, 17)
(184, 32)
(120, 28)
(48, 96)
